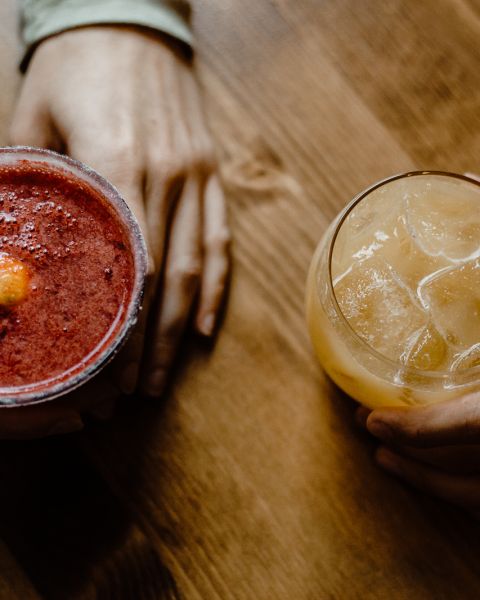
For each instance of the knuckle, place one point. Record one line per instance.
(220, 241)
(202, 161)
(170, 166)
(123, 154)
(412, 431)
(183, 163)
(200, 154)
(118, 153)
(185, 271)
(164, 343)
(219, 289)
(166, 167)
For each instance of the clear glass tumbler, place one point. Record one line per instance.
(393, 291)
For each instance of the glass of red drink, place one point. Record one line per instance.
(72, 270)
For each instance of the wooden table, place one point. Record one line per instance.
(250, 480)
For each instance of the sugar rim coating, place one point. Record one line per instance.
(439, 375)
(62, 384)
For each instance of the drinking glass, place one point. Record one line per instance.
(393, 291)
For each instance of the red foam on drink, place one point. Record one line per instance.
(81, 268)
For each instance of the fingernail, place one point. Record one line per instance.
(379, 429)
(155, 383)
(67, 426)
(361, 416)
(207, 324)
(128, 379)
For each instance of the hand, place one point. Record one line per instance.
(125, 103)
(96, 399)
(436, 448)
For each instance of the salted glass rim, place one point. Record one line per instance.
(343, 215)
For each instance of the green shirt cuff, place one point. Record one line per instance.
(44, 18)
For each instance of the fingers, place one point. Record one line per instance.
(31, 422)
(454, 422)
(463, 458)
(449, 472)
(64, 415)
(161, 198)
(216, 244)
(96, 398)
(178, 290)
(450, 459)
(461, 490)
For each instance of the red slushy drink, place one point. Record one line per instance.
(72, 263)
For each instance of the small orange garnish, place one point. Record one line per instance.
(14, 280)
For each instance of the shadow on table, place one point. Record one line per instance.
(415, 523)
(74, 509)
(72, 537)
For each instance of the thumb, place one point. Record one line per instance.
(453, 422)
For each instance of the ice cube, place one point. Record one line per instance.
(453, 299)
(374, 212)
(379, 307)
(467, 359)
(381, 227)
(407, 257)
(427, 351)
(367, 228)
(444, 219)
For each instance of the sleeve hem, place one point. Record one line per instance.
(162, 19)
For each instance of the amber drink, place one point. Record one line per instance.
(393, 292)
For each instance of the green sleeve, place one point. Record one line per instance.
(43, 18)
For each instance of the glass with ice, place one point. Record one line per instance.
(393, 291)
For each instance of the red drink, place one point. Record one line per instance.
(72, 264)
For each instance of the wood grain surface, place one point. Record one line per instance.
(249, 480)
